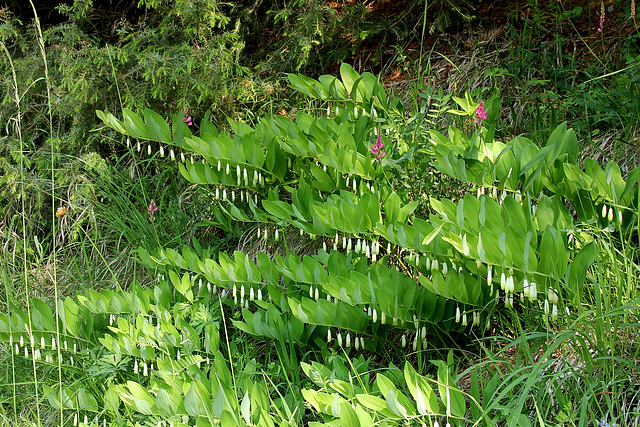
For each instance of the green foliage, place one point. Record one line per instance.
(317, 175)
(381, 270)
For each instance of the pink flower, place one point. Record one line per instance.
(187, 119)
(481, 113)
(152, 209)
(601, 24)
(377, 147)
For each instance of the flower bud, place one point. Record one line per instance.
(404, 340)
(182, 157)
(161, 150)
(375, 316)
(259, 294)
(251, 294)
(533, 293)
(348, 340)
(458, 314)
(340, 339)
(604, 211)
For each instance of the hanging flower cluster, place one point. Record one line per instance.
(376, 150)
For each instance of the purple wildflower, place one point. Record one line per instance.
(481, 113)
(187, 119)
(152, 209)
(601, 24)
(376, 150)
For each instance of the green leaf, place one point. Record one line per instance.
(432, 235)
(423, 394)
(372, 402)
(394, 406)
(157, 127)
(111, 121)
(245, 408)
(71, 316)
(164, 404)
(42, 316)
(407, 210)
(196, 399)
(134, 124)
(452, 397)
(323, 181)
(349, 77)
(143, 400)
(392, 208)
(348, 417)
(218, 402)
(86, 400)
(577, 271)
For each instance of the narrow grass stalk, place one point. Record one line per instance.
(54, 277)
(17, 98)
(5, 280)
